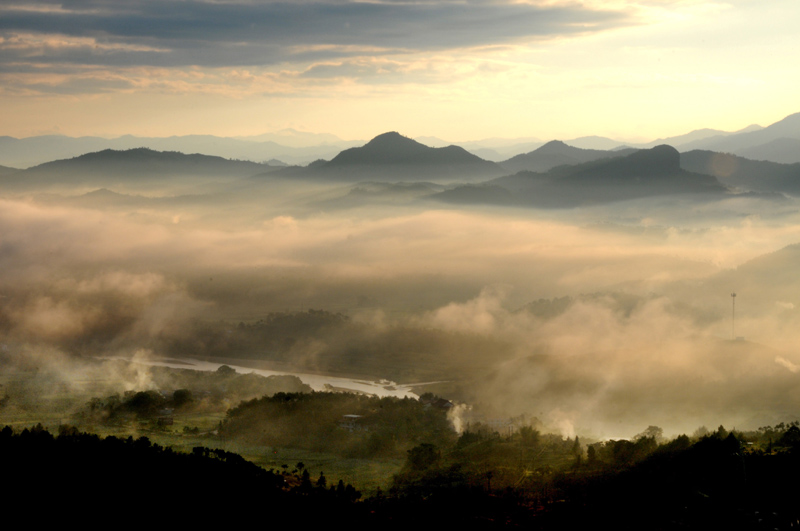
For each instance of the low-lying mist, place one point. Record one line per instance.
(601, 320)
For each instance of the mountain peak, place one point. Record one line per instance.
(555, 145)
(394, 140)
(388, 136)
(789, 126)
(387, 148)
(392, 155)
(662, 156)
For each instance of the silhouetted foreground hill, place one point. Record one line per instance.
(714, 483)
(393, 157)
(645, 173)
(85, 478)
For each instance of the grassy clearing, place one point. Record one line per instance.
(31, 402)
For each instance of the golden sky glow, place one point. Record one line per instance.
(631, 70)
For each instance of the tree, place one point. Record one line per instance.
(652, 432)
(182, 397)
(145, 403)
(577, 451)
(790, 438)
(224, 370)
(529, 435)
(305, 480)
(591, 455)
(423, 456)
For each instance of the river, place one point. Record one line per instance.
(318, 382)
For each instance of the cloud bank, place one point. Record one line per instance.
(214, 34)
(601, 328)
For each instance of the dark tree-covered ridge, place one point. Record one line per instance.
(344, 423)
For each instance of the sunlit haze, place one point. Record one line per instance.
(629, 70)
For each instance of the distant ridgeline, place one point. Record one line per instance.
(109, 167)
(557, 153)
(393, 157)
(555, 175)
(645, 173)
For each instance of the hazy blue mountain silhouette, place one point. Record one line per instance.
(758, 176)
(749, 143)
(780, 150)
(31, 151)
(600, 143)
(644, 173)
(557, 153)
(393, 157)
(697, 135)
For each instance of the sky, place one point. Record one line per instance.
(459, 70)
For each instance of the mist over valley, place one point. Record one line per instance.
(593, 295)
(382, 264)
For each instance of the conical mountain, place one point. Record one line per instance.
(389, 148)
(393, 157)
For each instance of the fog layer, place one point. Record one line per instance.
(603, 320)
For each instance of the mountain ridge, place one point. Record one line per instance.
(131, 167)
(557, 153)
(643, 173)
(392, 156)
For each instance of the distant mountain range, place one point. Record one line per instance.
(731, 170)
(28, 152)
(743, 173)
(557, 153)
(779, 142)
(643, 173)
(553, 175)
(128, 168)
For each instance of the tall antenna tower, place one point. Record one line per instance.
(733, 316)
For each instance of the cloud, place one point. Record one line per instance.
(216, 34)
(643, 340)
(609, 373)
(794, 368)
